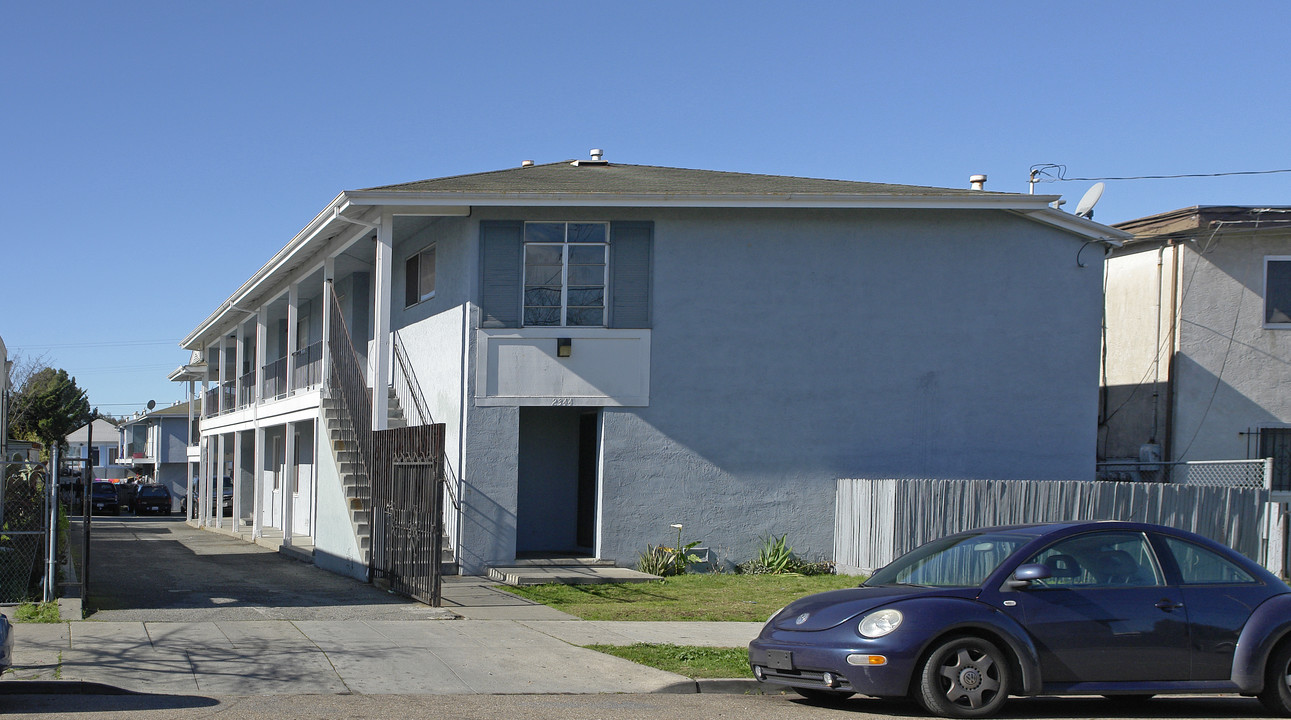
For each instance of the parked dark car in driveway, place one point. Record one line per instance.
(225, 501)
(153, 499)
(103, 499)
(1096, 608)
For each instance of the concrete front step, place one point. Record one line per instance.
(579, 574)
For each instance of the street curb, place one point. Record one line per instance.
(60, 687)
(714, 686)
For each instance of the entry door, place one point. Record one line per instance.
(556, 481)
(302, 484)
(271, 507)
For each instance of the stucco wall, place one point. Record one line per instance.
(1232, 374)
(793, 348)
(335, 544)
(1137, 366)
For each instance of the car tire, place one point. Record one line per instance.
(823, 696)
(1276, 694)
(964, 677)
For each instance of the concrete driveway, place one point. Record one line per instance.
(180, 610)
(152, 569)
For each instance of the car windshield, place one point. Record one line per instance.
(153, 491)
(955, 561)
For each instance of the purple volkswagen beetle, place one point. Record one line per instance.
(1091, 608)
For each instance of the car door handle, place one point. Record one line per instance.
(1169, 605)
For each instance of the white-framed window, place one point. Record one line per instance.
(565, 273)
(419, 277)
(1277, 291)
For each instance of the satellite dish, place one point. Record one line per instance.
(152, 404)
(1086, 207)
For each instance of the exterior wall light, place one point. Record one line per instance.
(564, 347)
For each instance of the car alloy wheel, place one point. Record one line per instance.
(964, 677)
(1276, 695)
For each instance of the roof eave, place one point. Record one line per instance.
(297, 243)
(1084, 227)
(994, 201)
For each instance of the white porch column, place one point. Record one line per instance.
(293, 303)
(222, 377)
(202, 499)
(217, 484)
(262, 333)
(288, 480)
(257, 483)
(240, 355)
(237, 474)
(329, 295)
(193, 514)
(383, 292)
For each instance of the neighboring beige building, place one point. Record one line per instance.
(1197, 339)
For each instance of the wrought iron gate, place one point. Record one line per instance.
(407, 510)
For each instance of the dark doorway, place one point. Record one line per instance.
(556, 492)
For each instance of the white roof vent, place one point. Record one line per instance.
(526, 163)
(596, 159)
(977, 182)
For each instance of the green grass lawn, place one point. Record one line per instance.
(688, 660)
(685, 597)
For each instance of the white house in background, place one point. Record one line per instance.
(1198, 339)
(616, 348)
(106, 441)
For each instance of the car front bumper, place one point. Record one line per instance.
(812, 660)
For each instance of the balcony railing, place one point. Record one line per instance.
(229, 396)
(308, 363)
(273, 379)
(211, 402)
(247, 389)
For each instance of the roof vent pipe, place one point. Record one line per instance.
(596, 154)
(977, 182)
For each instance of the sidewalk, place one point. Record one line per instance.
(492, 642)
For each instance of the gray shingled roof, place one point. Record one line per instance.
(617, 179)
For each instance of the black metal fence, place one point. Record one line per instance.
(407, 503)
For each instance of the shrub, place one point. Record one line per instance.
(775, 557)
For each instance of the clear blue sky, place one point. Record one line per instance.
(153, 155)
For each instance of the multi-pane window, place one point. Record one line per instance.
(565, 273)
(419, 277)
(1277, 291)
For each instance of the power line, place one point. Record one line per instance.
(1052, 172)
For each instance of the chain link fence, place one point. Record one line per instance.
(23, 519)
(1204, 473)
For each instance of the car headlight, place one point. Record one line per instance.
(880, 623)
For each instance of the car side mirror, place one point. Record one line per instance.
(1025, 574)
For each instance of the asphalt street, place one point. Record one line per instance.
(578, 707)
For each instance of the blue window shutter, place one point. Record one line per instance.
(501, 263)
(630, 259)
